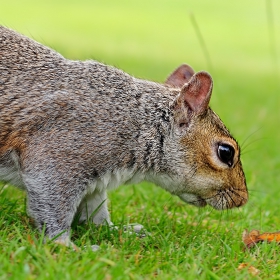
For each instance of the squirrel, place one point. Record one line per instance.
(71, 130)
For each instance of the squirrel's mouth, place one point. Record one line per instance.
(220, 199)
(228, 198)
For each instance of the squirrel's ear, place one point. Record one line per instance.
(180, 76)
(196, 93)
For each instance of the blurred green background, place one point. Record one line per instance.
(238, 42)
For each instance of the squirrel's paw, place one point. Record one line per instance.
(65, 241)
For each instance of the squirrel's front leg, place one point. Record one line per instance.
(52, 200)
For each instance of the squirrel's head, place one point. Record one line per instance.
(210, 170)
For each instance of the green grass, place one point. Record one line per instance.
(149, 39)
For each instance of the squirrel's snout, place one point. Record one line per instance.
(228, 198)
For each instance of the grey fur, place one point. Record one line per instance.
(70, 130)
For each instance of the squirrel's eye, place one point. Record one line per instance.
(226, 154)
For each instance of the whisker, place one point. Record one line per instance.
(248, 151)
(219, 202)
(257, 191)
(252, 142)
(222, 199)
(233, 202)
(250, 135)
(238, 195)
(228, 198)
(240, 190)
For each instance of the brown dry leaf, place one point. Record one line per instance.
(254, 271)
(253, 237)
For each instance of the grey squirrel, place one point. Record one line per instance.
(71, 130)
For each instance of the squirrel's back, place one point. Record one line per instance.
(84, 102)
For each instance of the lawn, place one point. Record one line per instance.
(238, 43)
